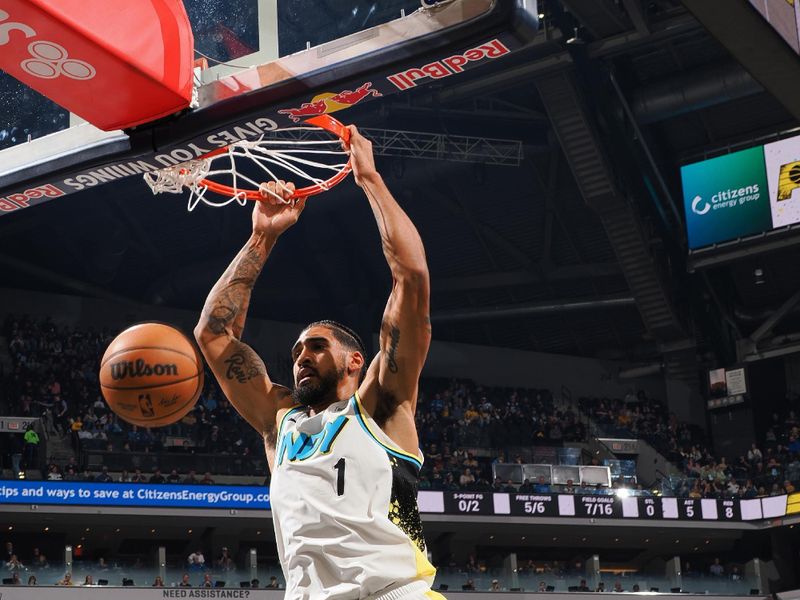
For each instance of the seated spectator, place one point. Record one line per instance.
(157, 477)
(542, 587)
(583, 587)
(466, 479)
(103, 477)
(472, 564)
(433, 453)
(601, 587)
(41, 563)
(207, 479)
(158, 582)
(716, 570)
(469, 586)
(15, 580)
(470, 462)
(207, 582)
(32, 580)
(14, 565)
(254, 583)
(72, 463)
(185, 581)
(273, 583)
(225, 561)
(67, 580)
(618, 587)
(190, 479)
(754, 455)
(88, 580)
(173, 477)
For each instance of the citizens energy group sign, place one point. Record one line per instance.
(743, 193)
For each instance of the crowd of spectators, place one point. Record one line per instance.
(54, 376)
(536, 574)
(475, 573)
(195, 571)
(768, 469)
(464, 428)
(771, 468)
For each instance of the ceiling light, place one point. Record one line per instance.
(575, 40)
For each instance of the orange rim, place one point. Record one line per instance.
(326, 122)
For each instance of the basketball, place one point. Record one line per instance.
(151, 375)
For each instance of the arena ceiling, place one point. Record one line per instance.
(518, 257)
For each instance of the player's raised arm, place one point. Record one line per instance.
(405, 329)
(240, 372)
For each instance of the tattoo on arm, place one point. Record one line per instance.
(222, 313)
(226, 306)
(244, 364)
(394, 340)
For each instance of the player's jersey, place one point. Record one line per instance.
(344, 506)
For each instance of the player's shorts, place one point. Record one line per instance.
(416, 590)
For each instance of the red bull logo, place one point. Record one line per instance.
(23, 199)
(328, 102)
(452, 65)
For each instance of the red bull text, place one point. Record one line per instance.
(22, 199)
(446, 67)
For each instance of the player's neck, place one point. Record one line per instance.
(321, 406)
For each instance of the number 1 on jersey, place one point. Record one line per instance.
(339, 466)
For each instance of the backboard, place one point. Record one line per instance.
(271, 64)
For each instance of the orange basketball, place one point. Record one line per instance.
(151, 375)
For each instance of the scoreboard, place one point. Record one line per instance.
(538, 505)
(469, 503)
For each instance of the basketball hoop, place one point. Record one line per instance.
(317, 155)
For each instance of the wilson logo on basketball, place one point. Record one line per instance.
(139, 368)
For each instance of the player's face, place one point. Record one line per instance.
(318, 366)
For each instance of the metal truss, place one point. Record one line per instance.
(438, 146)
(430, 146)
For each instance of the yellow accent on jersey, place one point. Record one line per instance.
(425, 570)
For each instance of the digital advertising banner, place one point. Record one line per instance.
(133, 494)
(743, 193)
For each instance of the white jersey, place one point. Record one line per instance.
(344, 506)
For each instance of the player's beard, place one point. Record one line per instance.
(312, 394)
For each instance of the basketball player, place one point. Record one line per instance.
(342, 445)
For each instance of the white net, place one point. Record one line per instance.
(311, 158)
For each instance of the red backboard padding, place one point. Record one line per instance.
(116, 64)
